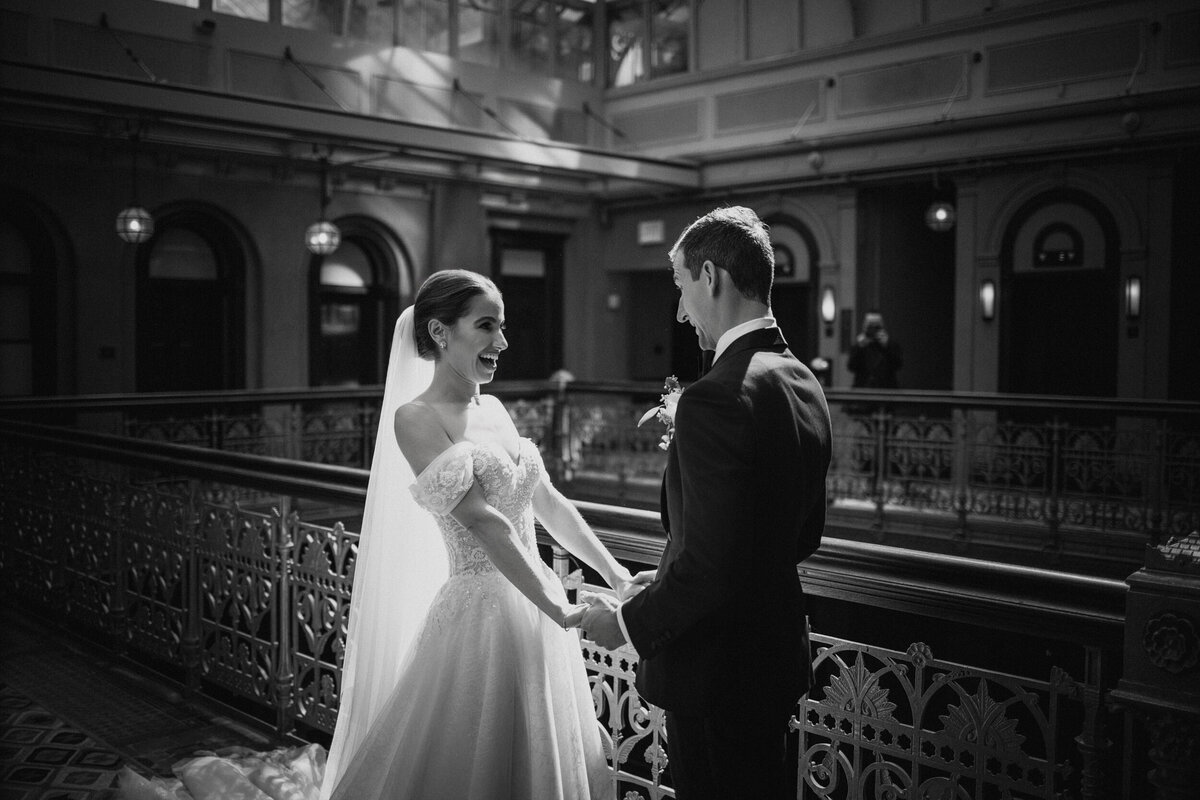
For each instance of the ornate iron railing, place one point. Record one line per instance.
(889, 724)
(233, 571)
(1109, 476)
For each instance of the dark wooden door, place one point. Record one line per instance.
(528, 269)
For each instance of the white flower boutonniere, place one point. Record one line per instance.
(665, 410)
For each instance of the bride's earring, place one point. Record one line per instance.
(442, 343)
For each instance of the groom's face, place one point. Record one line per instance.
(695, 302)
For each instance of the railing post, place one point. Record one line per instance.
(879, 479)
(190, 644)
(215, 440)
(285, 673)
(1161, 658)
(118, 607)
(562, 568)
(962, 466)
(295, 431)
(1092, 742)
(1053, 501)
(1156, 507)
(366, 413)
(560, 432)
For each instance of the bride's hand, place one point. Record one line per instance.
(635, 584)
(574, 616)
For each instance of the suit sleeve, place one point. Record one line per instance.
(716, 457)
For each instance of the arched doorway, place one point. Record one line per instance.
(1061, 297)
(793, 300)
(356, 294)
(190, 304)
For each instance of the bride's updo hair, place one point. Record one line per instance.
(445, 296)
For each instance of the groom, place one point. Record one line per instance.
(721, 630)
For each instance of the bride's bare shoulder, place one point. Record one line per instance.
(420, 434)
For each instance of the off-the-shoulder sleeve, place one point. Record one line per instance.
(447, 478)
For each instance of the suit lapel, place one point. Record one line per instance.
(762, 339)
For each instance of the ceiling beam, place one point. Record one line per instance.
(290, 124)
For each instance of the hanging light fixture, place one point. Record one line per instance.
(134, 223)
(940, 216)
(323, 237)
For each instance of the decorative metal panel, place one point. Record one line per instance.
(322, 576)
(632, 731)
(239, 570)
(881, 723)
(158, 533)
(339, 435)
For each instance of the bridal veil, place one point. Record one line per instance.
(401, 563)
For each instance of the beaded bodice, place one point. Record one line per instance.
(507, 485)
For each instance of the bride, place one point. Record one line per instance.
(461, 678)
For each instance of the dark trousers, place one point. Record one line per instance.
(733, 755)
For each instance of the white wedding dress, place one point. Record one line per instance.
(493, 700)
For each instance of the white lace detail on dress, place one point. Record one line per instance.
(443, 483)
(508, 487)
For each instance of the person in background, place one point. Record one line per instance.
(875, 357)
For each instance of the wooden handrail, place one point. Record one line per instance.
(265, 473)
(888, 398)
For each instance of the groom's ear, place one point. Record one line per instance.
(711, 277)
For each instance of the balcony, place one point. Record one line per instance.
(227, 567)
(1069, 483)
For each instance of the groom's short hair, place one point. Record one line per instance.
(737, 241)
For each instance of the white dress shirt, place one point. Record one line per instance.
(740, 330)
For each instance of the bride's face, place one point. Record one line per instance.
(475, 341)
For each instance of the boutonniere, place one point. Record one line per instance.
(665, 410)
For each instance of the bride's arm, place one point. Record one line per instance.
(563, 520)
(499, 540)
(566, 525)
(421, 440)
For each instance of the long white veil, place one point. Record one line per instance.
(401, 564)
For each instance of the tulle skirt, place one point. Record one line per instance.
(292, 773)
(493, 705)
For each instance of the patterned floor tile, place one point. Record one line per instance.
(72, 715)
(46, 758)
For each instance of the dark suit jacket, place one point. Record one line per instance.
(743, 503)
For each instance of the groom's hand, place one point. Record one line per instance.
(600, 624)
(635, 584)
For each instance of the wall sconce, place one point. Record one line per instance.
(828, 309)
(940, 216)
(323, 237)
(987, 299)
(1133, 298)
(134, 223)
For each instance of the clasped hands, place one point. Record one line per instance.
(597, 615)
